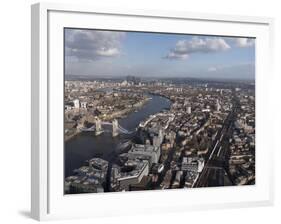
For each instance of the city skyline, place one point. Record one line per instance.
(127, 135)
(116, 53)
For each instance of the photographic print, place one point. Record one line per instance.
(156, 111)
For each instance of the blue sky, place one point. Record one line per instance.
(112, 53)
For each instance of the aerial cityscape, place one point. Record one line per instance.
(154, 111)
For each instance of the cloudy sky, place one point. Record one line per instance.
(111, 53)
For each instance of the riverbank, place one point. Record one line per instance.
(127, 111)
(68, 137)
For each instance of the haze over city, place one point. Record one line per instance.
(115, 53)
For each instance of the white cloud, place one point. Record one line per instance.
(92, 44)
(173, 55)
(184, 48)
(244, 42)
(107, 52)
(212, 69)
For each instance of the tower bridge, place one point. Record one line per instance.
(99, 128)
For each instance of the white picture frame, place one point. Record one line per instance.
(48, 201)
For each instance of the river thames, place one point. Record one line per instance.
(86, 145)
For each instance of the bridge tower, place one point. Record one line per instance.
(98, 127)
(115, 128)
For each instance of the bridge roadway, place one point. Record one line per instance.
(214, 172)
(120, 128)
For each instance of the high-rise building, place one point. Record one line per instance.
(218, 105)
(155, 141)
(189, 109)
(133, 79)
(76, 104)
(160, 136)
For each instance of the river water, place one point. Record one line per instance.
(86, 145)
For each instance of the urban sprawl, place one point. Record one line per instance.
(206, 138)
